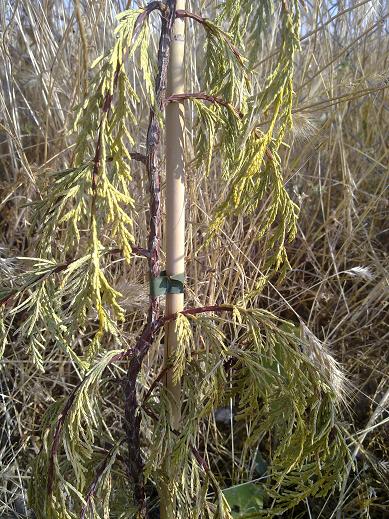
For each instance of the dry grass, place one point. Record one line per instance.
(336, 167)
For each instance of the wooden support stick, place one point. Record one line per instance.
(175, 198)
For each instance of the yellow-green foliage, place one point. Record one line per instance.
(185, 343)
(88, 209)
(254, 360)
(247, 145)
(77, 464)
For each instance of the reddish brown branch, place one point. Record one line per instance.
(201, 310)
(178, 98)
(152, 6)
(93, 486)
(96, 162)
(139, 157)
(57, 436)
(154, 384)
(150, 332)
(132, 415)
(182, 13)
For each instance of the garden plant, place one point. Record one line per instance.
(152, 114)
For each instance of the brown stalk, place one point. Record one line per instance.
(177, 98)
(132, 415)
(93, 486)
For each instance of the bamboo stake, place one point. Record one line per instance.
(174, 232)
(175, 198)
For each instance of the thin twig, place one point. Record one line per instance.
(177, 98)
(182, 13)
(139, 251)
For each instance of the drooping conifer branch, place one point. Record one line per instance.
(108, 97)
(61, 267)
(136, 355)
(106, 106)
(150, 7)
(107, 102)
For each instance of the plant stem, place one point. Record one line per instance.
(132, 413)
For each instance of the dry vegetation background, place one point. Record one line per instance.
(336, 168)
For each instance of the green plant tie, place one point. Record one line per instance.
(165, 284)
